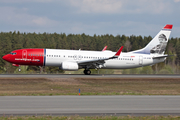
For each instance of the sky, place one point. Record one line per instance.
(100, 17)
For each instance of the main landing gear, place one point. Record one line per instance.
(87, 72)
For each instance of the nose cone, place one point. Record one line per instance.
(5, 57)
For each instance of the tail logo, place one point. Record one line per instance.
(162, 38)
(160, 48)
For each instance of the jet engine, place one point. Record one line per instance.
(69, 66)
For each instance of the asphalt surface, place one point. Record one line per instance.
(85, 76)
(89, 105)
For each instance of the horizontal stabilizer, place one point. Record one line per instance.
(162, 56)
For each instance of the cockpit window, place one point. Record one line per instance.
(13, 53)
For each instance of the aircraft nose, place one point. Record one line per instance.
(5, 57)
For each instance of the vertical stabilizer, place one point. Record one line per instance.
(158, 44)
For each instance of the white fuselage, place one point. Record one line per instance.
(55, 57)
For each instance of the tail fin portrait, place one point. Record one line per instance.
(157, 45)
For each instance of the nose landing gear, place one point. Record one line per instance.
(19, 68)
(87, 72)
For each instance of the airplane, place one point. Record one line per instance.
(73, 60)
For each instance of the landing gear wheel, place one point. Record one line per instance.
(87, 72)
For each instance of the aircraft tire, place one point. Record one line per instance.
(87, 72)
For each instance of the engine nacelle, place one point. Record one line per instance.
(69, 66)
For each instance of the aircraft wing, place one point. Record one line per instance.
(96, 62)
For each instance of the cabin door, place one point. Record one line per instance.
(140, 60)
(24, 54)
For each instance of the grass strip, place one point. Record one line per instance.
(88, 86)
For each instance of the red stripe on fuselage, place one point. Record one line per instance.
(27, 57)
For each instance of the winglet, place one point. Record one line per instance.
(168, 26)
(104, 48)
(119, 52)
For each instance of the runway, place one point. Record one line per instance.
(89, 105)
(86, 76)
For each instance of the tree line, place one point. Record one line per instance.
(10, 41)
